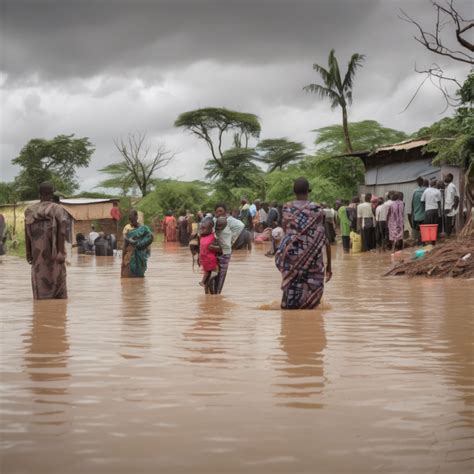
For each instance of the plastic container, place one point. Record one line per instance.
(428, 232)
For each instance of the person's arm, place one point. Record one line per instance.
(328, 263)
(29, 253)
(61, 239)
(215, 247)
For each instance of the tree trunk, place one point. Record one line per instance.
(345, 128)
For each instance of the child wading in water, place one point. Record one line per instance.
(208, 250)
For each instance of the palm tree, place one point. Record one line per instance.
(338, 91)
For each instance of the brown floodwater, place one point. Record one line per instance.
(152, 376)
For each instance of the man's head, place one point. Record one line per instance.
(220, 210)
(265, 206)
(301, 187)
(46, 191)
(243, 201)
(221, 223)
(338, 204)
(93, 227)
(274, 204)
(133, 217)
(368, 197)
(426, 183)
(420, 181)
(356, 200)
(448, 178)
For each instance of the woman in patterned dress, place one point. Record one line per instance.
(300, 254)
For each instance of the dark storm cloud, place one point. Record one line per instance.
(103, 69)
(84, 38)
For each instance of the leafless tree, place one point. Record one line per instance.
(141, 162)
(450, 28)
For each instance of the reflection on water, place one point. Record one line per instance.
(151, 375)
(303, 340)
(135, 311)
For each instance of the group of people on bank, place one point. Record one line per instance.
(379, 222)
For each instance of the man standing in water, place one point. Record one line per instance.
(45, 235)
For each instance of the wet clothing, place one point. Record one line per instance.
(299, 256)
(273, 217)
(136, 251)
(42, 222)
(183, 233)
(207, 258)
(395, 221)
(243, 241)
(216, 283)
(169, 228)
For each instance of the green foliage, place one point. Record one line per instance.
(238, 170)
(53, 160)
(174, 196)
(120, 178)
(277, 153)
(280, 186)
(206, 123)
(365, 135)
(9, 193)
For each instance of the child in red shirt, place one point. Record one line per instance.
(208, 248)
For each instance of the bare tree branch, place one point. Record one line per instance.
(434, 41)
(139, 162)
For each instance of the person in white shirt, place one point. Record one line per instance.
(366, 223)
(451, 203)
(91, 238)
(432, 199)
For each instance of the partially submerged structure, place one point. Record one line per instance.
(86, 212)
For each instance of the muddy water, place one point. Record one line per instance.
(152, 376)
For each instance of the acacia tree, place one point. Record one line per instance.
(212, 124)
(337, 89)
(139, 163)
(279, 152)
(53, 160)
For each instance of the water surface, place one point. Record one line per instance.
(152, 376)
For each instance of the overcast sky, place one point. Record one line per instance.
(104, 68)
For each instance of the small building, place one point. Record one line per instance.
(86, 212)
(396, 167)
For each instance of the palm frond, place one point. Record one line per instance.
(325, 92)
(355, 62)
(334, 70)
(325, 75)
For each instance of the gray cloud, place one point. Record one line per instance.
(105, 68)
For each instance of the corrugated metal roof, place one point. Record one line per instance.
(85, 201)
(406, 145)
